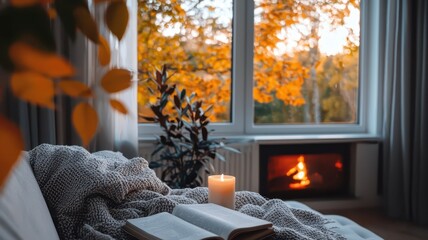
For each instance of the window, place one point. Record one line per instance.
(194, 38)
(306, 62)
(292, 67)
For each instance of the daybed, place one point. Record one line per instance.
(24, 213)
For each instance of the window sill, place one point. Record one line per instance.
(295, 138)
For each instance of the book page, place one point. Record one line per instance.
(219, 220)
(167, 227)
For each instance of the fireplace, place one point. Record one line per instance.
(305, 170)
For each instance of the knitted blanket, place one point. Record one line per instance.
(91, 195)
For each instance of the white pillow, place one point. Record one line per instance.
(23, 210)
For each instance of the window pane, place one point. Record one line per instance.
(306, 61)
(194, 38)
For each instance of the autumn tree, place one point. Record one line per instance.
(192, 39)
(290, 84)
(301, 19)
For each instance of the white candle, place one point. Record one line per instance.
(221, 190)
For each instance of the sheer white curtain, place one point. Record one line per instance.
(117, 131)
(404, 62)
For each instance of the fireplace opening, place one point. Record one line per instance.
(304, 170)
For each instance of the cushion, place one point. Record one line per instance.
(342, 225)
(23, 210)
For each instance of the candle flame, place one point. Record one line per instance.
(222, 177)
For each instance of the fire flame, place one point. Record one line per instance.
(300, 173)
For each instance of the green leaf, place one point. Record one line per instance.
(171, 90)
(164, 73)
(163, 88)
(208, 165)
(116, 18)
(230, 149)
(177, 102)
(163, 139)
(204, 133)
(158, 78)
(163, 102)
(185, 145)
(151, 90)
(164, 76)
(150, 119)
(205, 123)
(154, 164)
(157, 149)
(183, 94)
(166, 173)
(219, 156)
(209, 108)
(187, 125)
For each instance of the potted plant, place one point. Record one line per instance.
(184, 150)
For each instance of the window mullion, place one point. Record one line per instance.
(249, 54)
(238, 71)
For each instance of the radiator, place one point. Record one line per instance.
(243, 166)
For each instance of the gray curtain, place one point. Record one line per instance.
(116, 131)
(40, 125)
(404, 57)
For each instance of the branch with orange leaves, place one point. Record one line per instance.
(38, 73)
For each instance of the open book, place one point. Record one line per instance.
(199, 221)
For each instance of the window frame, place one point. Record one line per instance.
(242, 104)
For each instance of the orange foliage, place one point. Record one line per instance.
(196, 43)
(75, 89)
(11, 143)
(50, 64)
(85, 121)
(118, 106)
(37, 71)
(104, 54)
(116, 80)
(34, 88)
(198, 61)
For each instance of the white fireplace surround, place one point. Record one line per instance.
(245, 167)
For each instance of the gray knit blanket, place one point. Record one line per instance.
(91, 195)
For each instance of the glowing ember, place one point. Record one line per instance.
(339, 165)
(300, 174)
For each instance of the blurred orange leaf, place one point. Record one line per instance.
(119, 106)
(86, 23)
(103, 51)
(116, 17)
(23, 3)
(52, 13)
(116, 80)
(12, 144)
(75, 88)
(33, 87)
(85, 121)
(101, 1)
(25, 56)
